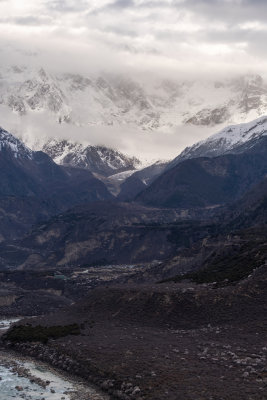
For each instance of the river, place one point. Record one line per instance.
(21, 378)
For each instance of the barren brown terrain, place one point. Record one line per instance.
(166, 341)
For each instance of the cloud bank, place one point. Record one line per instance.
(170, 36)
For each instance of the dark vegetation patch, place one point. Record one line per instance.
(29, 333)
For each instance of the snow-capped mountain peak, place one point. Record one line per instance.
(227, 140)
(98, 159)
(14, 145)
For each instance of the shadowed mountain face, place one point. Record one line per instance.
(206, 182)
(33, 186)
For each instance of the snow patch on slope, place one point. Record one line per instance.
(235, 135)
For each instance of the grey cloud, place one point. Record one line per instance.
(66, 5)
(112, 29)
(254, 3)
(121, 31)
(113, 7)
(119, 4)
(231, 12)
(27, 21)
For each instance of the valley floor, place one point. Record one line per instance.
(207, 363)
(173, 342)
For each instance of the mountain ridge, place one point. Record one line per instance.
(229, 140)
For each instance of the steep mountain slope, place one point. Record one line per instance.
(97, 159)
(232, 139)
(29, 177)
(206, 182)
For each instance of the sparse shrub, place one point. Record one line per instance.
(29, 333)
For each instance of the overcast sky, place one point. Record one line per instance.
(142, 35)
(166, 37)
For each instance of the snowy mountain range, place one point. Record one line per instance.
(76, 103)
(110, 100)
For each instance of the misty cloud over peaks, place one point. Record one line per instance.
(174, 39)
